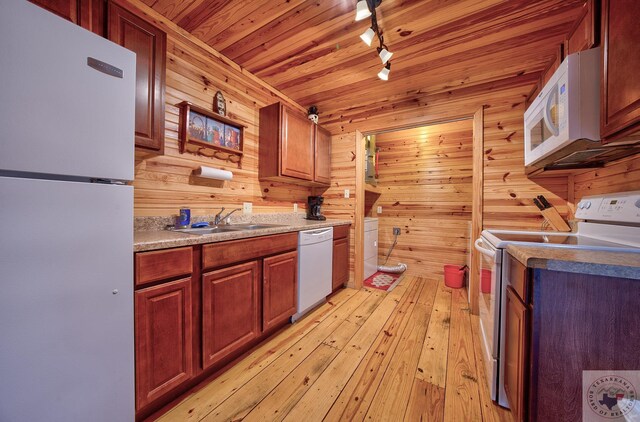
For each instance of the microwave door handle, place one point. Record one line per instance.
(491, 254)
(547, 113)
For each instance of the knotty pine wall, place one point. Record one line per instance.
(620, 176)
(343, 176)
(508, 193)
(195, 72)
(425, 183)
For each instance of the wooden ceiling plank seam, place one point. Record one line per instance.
(405, 74)
(304, 15)
(201, 13)
(510, 17)
(226, 18)
(254, 23)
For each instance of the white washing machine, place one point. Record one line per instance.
(370, 246)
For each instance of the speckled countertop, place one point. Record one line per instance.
(149, 234)
(610, 264)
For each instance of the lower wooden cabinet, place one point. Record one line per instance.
(163, 329)
(516, 349)
(198, 307)
(279, 288)
(340, 257)
(230, 310)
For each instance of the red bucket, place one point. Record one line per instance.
(485, 281)
(454, 276)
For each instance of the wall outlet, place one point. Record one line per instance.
(295, 207)
(396, 230)
(379, 210)
(346, 193)
(247, 207)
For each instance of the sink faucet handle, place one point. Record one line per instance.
(216, 219)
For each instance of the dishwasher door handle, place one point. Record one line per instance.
(318, 232)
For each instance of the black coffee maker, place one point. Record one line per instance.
(313, 208)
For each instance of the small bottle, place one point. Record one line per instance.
(185, 218)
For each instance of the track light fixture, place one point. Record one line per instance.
(368, 35)
(384, 54)
(384, 73)
(364, 9)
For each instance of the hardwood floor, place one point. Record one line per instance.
(365, 355)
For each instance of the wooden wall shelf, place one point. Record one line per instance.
(212, 135)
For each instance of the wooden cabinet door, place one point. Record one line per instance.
(280, 288)
(584, 34)
(230, 310)
(620, 87)
(322, 172)
(296, 145)
(340, 262)
(163, 329)
(516, 353)
(149, 44)
(90, 14)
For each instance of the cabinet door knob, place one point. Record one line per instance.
(115, 291)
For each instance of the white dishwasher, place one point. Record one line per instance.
(315, 259)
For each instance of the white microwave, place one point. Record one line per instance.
(566, 111)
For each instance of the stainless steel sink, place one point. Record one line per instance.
(251, 226)
(206, 230)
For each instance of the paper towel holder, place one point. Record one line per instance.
(212, 173)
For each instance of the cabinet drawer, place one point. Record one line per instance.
(225, 253)
(518, 279)
(164, 264)
(340, 232)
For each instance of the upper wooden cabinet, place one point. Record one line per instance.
(149, 44)
(290, 150)
(620, 87)
(585, 32)
(89, 14)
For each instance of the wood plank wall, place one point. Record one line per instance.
(619, 176)
(508, 193)
(195, 72)
(343, 176)
(425, 180)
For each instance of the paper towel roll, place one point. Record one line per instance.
(212, 173)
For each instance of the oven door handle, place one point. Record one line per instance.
(484, 251)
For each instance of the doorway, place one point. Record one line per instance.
(421, 184)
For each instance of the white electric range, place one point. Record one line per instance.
(610, 222)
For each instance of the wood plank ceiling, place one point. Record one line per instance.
(311, 50)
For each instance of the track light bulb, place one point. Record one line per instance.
(367, 36)
(384, 73)
(384, 54)
(362, 10)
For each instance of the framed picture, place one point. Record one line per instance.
(207, 133)
(215, 132)
(198, 126)
(231, 137)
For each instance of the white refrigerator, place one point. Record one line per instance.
(66, 221)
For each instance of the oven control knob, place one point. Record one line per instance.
(638, 203)
(587, 205)
(581, 205)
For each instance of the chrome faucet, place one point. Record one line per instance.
(218, 219)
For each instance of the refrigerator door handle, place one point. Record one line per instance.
(105, 68)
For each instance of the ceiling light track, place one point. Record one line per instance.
(364, 9)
